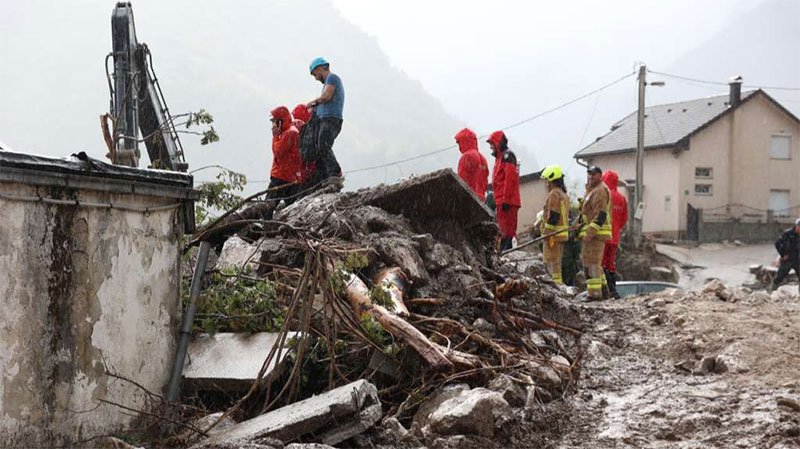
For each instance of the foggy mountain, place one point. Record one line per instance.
(763, 46)
(236, 60)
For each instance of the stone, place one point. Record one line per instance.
(484, 327)
(475, 412)
(425, 242)
(452, 442)
(228, 361)
(532, 402)
(512, 392)
(393, 429)
(426, 408)
(331, 417)
(597, 349)
(543, 374)
(561, 364)
(400, 252)
(716, 288)
(308, 446)
(686, 365)
(789, 403)
(237, 254)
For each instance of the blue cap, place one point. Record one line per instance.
(316, 63)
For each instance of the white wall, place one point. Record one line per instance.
(84, 290)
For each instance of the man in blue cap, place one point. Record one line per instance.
(328, 109)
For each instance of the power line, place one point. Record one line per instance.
(719, 83)
(513, 125)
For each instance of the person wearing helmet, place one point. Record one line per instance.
(505, 182)
(328, 108)
(555, 219)
(285, 172)
(595, 230)
(472, 166)
(619, 214)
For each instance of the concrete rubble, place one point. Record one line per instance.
(418, 267)
(228, 361)
(329, 418)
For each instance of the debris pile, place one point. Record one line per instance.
(393, 307)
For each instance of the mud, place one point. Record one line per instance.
(644, 384)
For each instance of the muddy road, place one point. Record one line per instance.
(688, 371)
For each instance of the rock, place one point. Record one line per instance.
(738, 243)
(597, 349)
(510, 390)
(484, 327)
(113, 443)
(393, 429)
(426, 408)
(543, 374)
(686, 365)
(789, 403)
(400, 252)
(331, 417)
(532, 402)
(561, 364)
(708, 365)
(308, 446)
(237, 254)
(440, 257)
(716, 288)
(538, 340)
(474, 412)
(425, 242)
(453, 442)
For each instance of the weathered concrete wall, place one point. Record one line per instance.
(85, 290)
(744, 232)
(531, 195)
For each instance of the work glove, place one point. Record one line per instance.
(505, 207)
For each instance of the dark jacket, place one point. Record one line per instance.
(789, 244)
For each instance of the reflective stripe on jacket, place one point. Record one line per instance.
(599, 199)
(556, 201)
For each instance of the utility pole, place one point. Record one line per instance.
(637, 194)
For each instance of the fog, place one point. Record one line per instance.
(414, 72)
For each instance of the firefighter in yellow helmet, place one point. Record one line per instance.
(555, 219)
(595, 230)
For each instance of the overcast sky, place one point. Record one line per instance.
(495, 63)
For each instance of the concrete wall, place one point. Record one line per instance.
(660, 190)
(85, 290)
(531, 195)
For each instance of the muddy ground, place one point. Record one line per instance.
(638, 390)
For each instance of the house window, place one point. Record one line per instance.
(704, 172)
(779, 202)
(703, 189)
(781, 147)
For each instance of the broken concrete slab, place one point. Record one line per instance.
(329, 418)
(237, 254)
(228, 361)
(426, 408)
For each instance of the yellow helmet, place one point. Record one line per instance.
(552, 172)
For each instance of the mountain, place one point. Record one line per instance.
(237, 60)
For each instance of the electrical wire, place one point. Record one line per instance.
(719, 83)
(513, 125)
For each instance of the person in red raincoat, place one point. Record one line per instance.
(505, 183)
(286, 163)
(472, 167)
(619, 217)
(302, 115)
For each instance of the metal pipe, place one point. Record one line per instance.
(174, 385)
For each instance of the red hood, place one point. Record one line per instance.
(467, 140)
(282, 113)
(497, 138)
(301, 112)
(611, 178)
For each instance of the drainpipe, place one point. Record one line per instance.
(174, 385)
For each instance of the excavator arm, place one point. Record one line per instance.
(137, 102)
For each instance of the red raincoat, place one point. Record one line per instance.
(286, 162)
(472, 167)
(505, 182)
(619, 206)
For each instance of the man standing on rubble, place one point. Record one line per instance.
(328, 108)
(285, 172)
(619, 214)
(555, 216)
(788, 246)
(472, 166)
(595, 230)
(505, 182)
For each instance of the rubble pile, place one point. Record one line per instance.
(393, 297)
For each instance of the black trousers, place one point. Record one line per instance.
(327, 165)
(286, 194)
(785, 268)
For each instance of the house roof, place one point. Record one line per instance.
(535, 176)
(668, 124)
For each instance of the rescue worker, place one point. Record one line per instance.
(285, 172)
(555, 218)
(595, 230)
(328, 108)
(619, 214)
(505, 182)
(302, 117)
(788, 246)
(472, 167)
